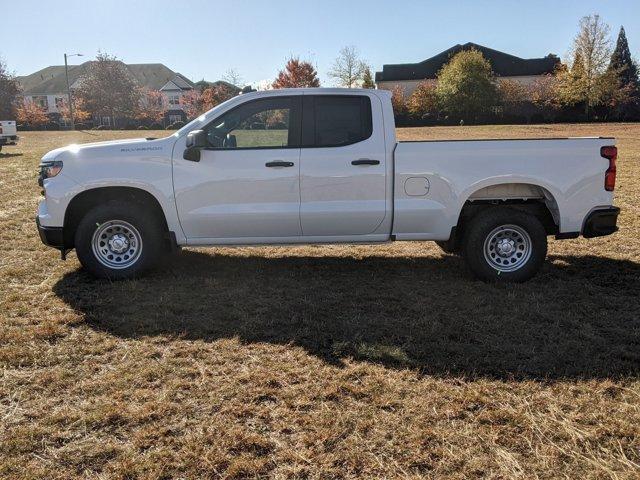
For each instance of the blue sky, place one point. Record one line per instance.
(203, 39)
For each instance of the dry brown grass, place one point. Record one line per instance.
(320, 362)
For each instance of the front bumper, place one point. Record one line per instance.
(601, 222)
(51, 236)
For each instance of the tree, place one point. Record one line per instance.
(297, 74)
(191, 103)
(466, 85)
(591, 52)
(80, 113)
(216, 94)
(626, 73)
(398, 101)
(9, 90)
(32, 114)
(571, 85)
(151, 107)
(423, 100)
(107, 88)
(233, 77)
(514, 97)
(367, 79)
(543, 93)
(348, 69)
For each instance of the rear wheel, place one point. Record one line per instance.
(505, 245)
(117, 240)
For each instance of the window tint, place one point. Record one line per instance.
(264, 123)
(341, 120)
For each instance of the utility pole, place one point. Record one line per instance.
(70, 98)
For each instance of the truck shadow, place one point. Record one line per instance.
(580, 318)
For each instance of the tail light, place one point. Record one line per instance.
(0, 129)
(610, 153)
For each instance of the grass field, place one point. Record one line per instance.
(320, 361)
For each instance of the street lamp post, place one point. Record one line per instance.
(66, 73)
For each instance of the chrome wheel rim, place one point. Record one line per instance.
(117, 244)
(507, 248)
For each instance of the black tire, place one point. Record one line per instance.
(524, 253)
(145, 226)
(449, 247)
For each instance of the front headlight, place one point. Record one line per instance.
(49, 170)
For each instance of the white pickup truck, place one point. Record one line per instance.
(322, 166)
(8, 133)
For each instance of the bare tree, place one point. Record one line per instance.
(348, 68)
(233, 77)
(592, 46)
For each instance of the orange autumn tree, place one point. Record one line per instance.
(297, 74)
(423, 100)
(216, 94)
(152, 107)
(30, 113)
(192, 104)
(398, 101)
(80, 114)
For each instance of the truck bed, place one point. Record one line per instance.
(567, 172)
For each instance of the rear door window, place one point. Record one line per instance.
(338, 120)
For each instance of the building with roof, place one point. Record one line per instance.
(409, 75)
(48, 87)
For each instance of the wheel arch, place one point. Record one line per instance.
(84, 201)
(521, 194)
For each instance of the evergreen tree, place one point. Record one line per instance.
(622, 62)
(624, 68)
(367, 79)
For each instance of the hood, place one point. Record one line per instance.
(111, 146)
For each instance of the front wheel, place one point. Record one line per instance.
(505, 245)
(118, 240)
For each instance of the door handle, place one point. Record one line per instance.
(278, 163)
(365, 161)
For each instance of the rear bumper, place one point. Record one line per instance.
(51, 236)
(12, 140)
(601, 222)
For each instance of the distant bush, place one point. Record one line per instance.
(156, 126)
(143, 127)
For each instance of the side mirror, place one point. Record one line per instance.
(196, 140)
